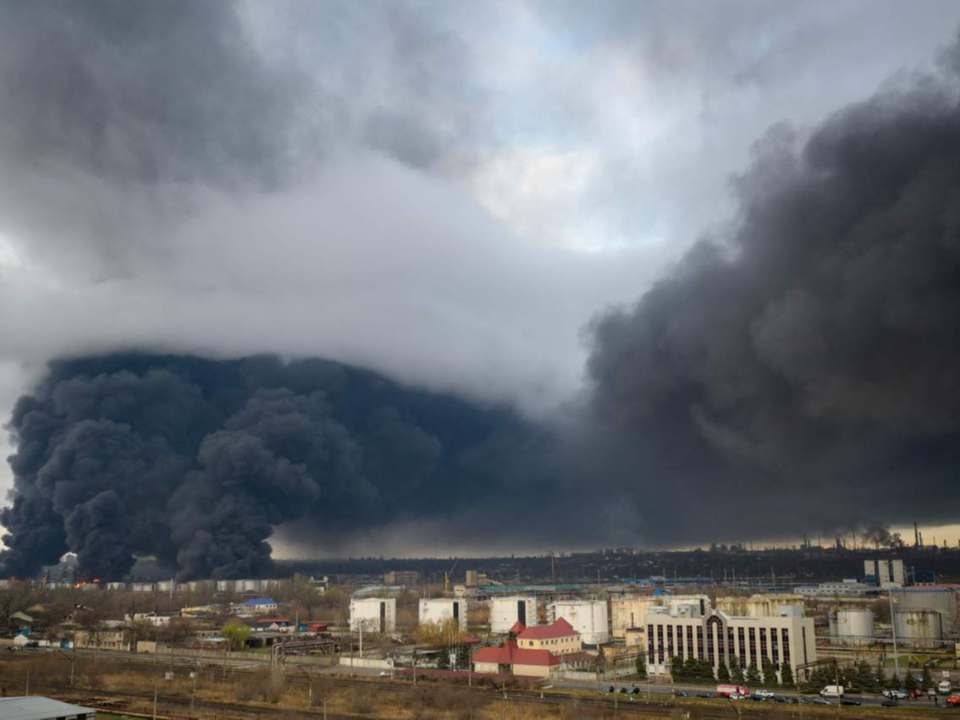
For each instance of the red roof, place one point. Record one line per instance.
(559, 629)
(518, 627)
(510, 654)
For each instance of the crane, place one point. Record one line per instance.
(446, 575)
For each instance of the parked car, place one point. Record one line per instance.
(757, 698)
(634, 690)
(764, 693)
(953, 701)
(681, 693)
(705, 694)
(891, 703)
(895, 694)
(789, 699)
(821, 701)
(624, 690)
(849, 701)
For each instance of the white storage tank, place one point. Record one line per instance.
(588, 617)
(851, 627)
(922, 628)
(506, 611)
(373, 614)
(441, 610)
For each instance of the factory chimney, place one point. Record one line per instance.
(916, 535)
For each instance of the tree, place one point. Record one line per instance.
(880, 676)
(786, 675)
(680, 670)
(910, 683)
(443, 659)
(641, 666)
(723, 673)
(438, 634)
(236, 634)
(864, 677)
(926, 681)
(706, 671)
(736, 672)
(463, 657)
(769, 672)
(753, 676)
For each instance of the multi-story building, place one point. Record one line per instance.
(758, 605)
(687, 631)
(558, 638)
(885, 573)
(505, 612)
(401, 577)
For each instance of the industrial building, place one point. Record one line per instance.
(884, 573)
(627, 611)
(847, 588)
(693, 631)
(760, 605)
(41, 708)
(373, 614)
(505, 612)
(401, 577)
(440, 610)
(587, 617)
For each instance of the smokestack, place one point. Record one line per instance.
(916, 535)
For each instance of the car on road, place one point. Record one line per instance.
(788, 699)
(681, 693)
(890, 703)
(705, 694)
(849, 701)
(757, 698)
(953, 701)
(609, 689)
(624, 690)
(764, 693)
(820, 701)
(895, 694)
(634, 690)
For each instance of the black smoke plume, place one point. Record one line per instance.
(196, 462)
(803, 371)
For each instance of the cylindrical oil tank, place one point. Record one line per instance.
(505, 612)
(922, 628)
(852, 627)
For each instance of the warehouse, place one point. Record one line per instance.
(505, 612)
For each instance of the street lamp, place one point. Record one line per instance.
(893, 629)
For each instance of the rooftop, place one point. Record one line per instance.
(40, 708)
(510, 654)
(261, 601)
(558, 629)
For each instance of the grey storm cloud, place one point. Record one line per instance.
(802, 371)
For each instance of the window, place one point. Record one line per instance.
(786, 646)
(660, 643)
(753, 646)
(774, 650)
(743, 647)
(689, 641)
(763, 644)
(713, 622)
(699, 642)
(650, 643)
(670, 641)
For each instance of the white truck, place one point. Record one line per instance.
(832, 691)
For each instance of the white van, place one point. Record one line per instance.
(832, 691)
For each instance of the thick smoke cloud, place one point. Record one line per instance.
(196, 462)
(802, 372)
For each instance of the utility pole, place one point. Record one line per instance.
(893, 629)
(156, 690)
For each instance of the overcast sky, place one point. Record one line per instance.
(444, 192)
